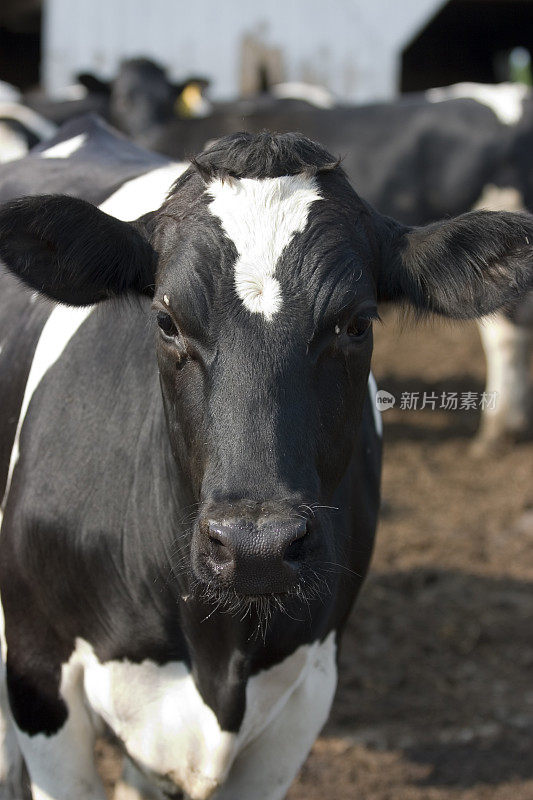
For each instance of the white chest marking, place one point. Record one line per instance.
(167, 728)
(143, 194)
(373, 390)
(66, 148)
(58, 330)
(261, 217)
(505, 99)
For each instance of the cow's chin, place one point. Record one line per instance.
(259, 611)
(292, 599)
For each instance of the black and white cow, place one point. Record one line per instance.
(190, 453)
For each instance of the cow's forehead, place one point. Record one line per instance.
(261, 217)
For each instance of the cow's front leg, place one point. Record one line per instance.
(60, 763)
(266, 767)
(13, 775)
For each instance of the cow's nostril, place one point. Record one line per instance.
(293, 551)
(220, 544)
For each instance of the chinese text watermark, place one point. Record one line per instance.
(438, 401)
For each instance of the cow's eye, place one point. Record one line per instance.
(165, 323)
(358, 327)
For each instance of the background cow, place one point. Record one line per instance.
(139, 98)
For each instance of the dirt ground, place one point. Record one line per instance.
(435, 698)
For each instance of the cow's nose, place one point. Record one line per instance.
(257, 558)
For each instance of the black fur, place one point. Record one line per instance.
(465, 267)
(266, 155)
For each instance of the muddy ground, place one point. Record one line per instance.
(435, 698)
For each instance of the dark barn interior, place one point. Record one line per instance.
(468, 40)
(20, 42)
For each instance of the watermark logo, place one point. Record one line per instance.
(443, 401)
(384, 400)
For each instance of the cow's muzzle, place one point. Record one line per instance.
(251, 556)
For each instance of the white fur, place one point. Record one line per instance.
(61, 766)
(297, 90)
(11, 762)
(66, 148)
(41, 127)
(74, 91)
(58, 330)
(507, 346)
(143, 194)
(500, 198)
(9, 93)
(266, 768)
(261, 218)
(168, 729)
(372, 391)
(13, 145)
(505, 99)
(507, 350)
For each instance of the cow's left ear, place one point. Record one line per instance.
(72, 252)
(464, 267)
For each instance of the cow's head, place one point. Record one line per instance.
(265, 269)
(142, 95)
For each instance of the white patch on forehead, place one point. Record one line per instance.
(505, 99)
(143, 194)
(66, 148)
(261, 217)
(58, 330)
(159, 715)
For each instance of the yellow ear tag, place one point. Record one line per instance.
(188, 101)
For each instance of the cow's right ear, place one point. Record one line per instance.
(72, 252)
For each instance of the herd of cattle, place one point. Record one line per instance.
(190, 481)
